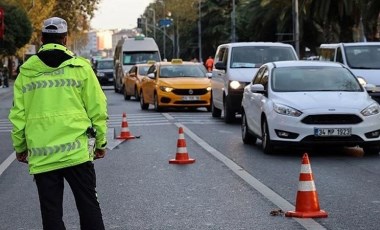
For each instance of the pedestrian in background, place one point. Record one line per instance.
(5, 76)
(57, 101)
(209, 63)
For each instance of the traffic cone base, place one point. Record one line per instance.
(181, 157)
(307, 204)
(125, 134)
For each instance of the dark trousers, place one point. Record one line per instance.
(82, 180)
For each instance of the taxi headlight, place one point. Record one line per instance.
(371, 110)
(100, 74)
(362, 81)
(235, 84)
(209, 88)
(166, 89)
(286, 110)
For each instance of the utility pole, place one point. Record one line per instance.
(199, 32)
(233, 23)
(296, 27)
(154, 22)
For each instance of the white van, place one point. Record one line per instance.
(131, 51)
(235, 64)
(362, 58)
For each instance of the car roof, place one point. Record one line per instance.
(334, 45)
(183, 63)
(242, 44)
(306, 63)
(105, 59)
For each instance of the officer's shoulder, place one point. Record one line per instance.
(81, 61)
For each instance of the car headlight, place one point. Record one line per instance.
(166, 88)
(371, 110)
(286, 110)
(362, 81)
(236, 85)
(209, 88)
(100, 74)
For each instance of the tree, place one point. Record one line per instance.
(18, 29)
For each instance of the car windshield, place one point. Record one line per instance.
(296, 79)
(143, 70)
(105, 64)
(363, 57)
(255, 56)
(132, 58)
(171, 71)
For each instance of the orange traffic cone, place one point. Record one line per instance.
(125, 134)
(307, 204)
(181, 157)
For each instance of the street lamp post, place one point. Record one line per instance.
(200, 31)
(233, 22)
(154, 22)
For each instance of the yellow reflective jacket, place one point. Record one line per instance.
(52, 109)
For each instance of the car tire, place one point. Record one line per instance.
(215, 112)
(156, 105)
(373, 150)
(266, 141)
(247, 137)
(208, 108)
(137, 97)
(143, 105)
(126, 97)
(229, 114)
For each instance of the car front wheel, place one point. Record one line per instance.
(143, 105)
(157, 107)
(247, 137)
(267, 143)
(373, 150)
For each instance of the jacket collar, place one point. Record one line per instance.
(54, 46)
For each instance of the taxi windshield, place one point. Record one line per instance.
(172, 71)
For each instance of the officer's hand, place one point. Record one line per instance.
(22, 157)
(99, 153)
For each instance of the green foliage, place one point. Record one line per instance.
(18, 29)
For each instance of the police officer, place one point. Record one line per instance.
(57, 97)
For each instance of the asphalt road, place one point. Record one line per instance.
(230, 185)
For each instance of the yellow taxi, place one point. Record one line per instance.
(132, 80)
(176, 84)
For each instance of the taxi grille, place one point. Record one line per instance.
(188, 91)
(328, 119)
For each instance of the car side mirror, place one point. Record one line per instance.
(151, 75)
(209, 75)
(220, 65)
(257, 88)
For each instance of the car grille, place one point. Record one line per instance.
(327, 119)
(332, 140)
(189, 91)
(189, 102)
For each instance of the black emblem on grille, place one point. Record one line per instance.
(191, 91)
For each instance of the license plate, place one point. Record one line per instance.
(325, 132)
(190, 98)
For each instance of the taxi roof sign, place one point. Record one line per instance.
(177, 61)
(151, 61)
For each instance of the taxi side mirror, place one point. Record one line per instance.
(151, 76)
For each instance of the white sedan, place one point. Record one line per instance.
(307, 104)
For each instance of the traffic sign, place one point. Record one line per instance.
(165, 22)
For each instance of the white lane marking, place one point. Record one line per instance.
(7, 162)
(276, 199)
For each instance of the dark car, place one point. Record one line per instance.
(104, 71)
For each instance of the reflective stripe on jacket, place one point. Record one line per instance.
(52, 109)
